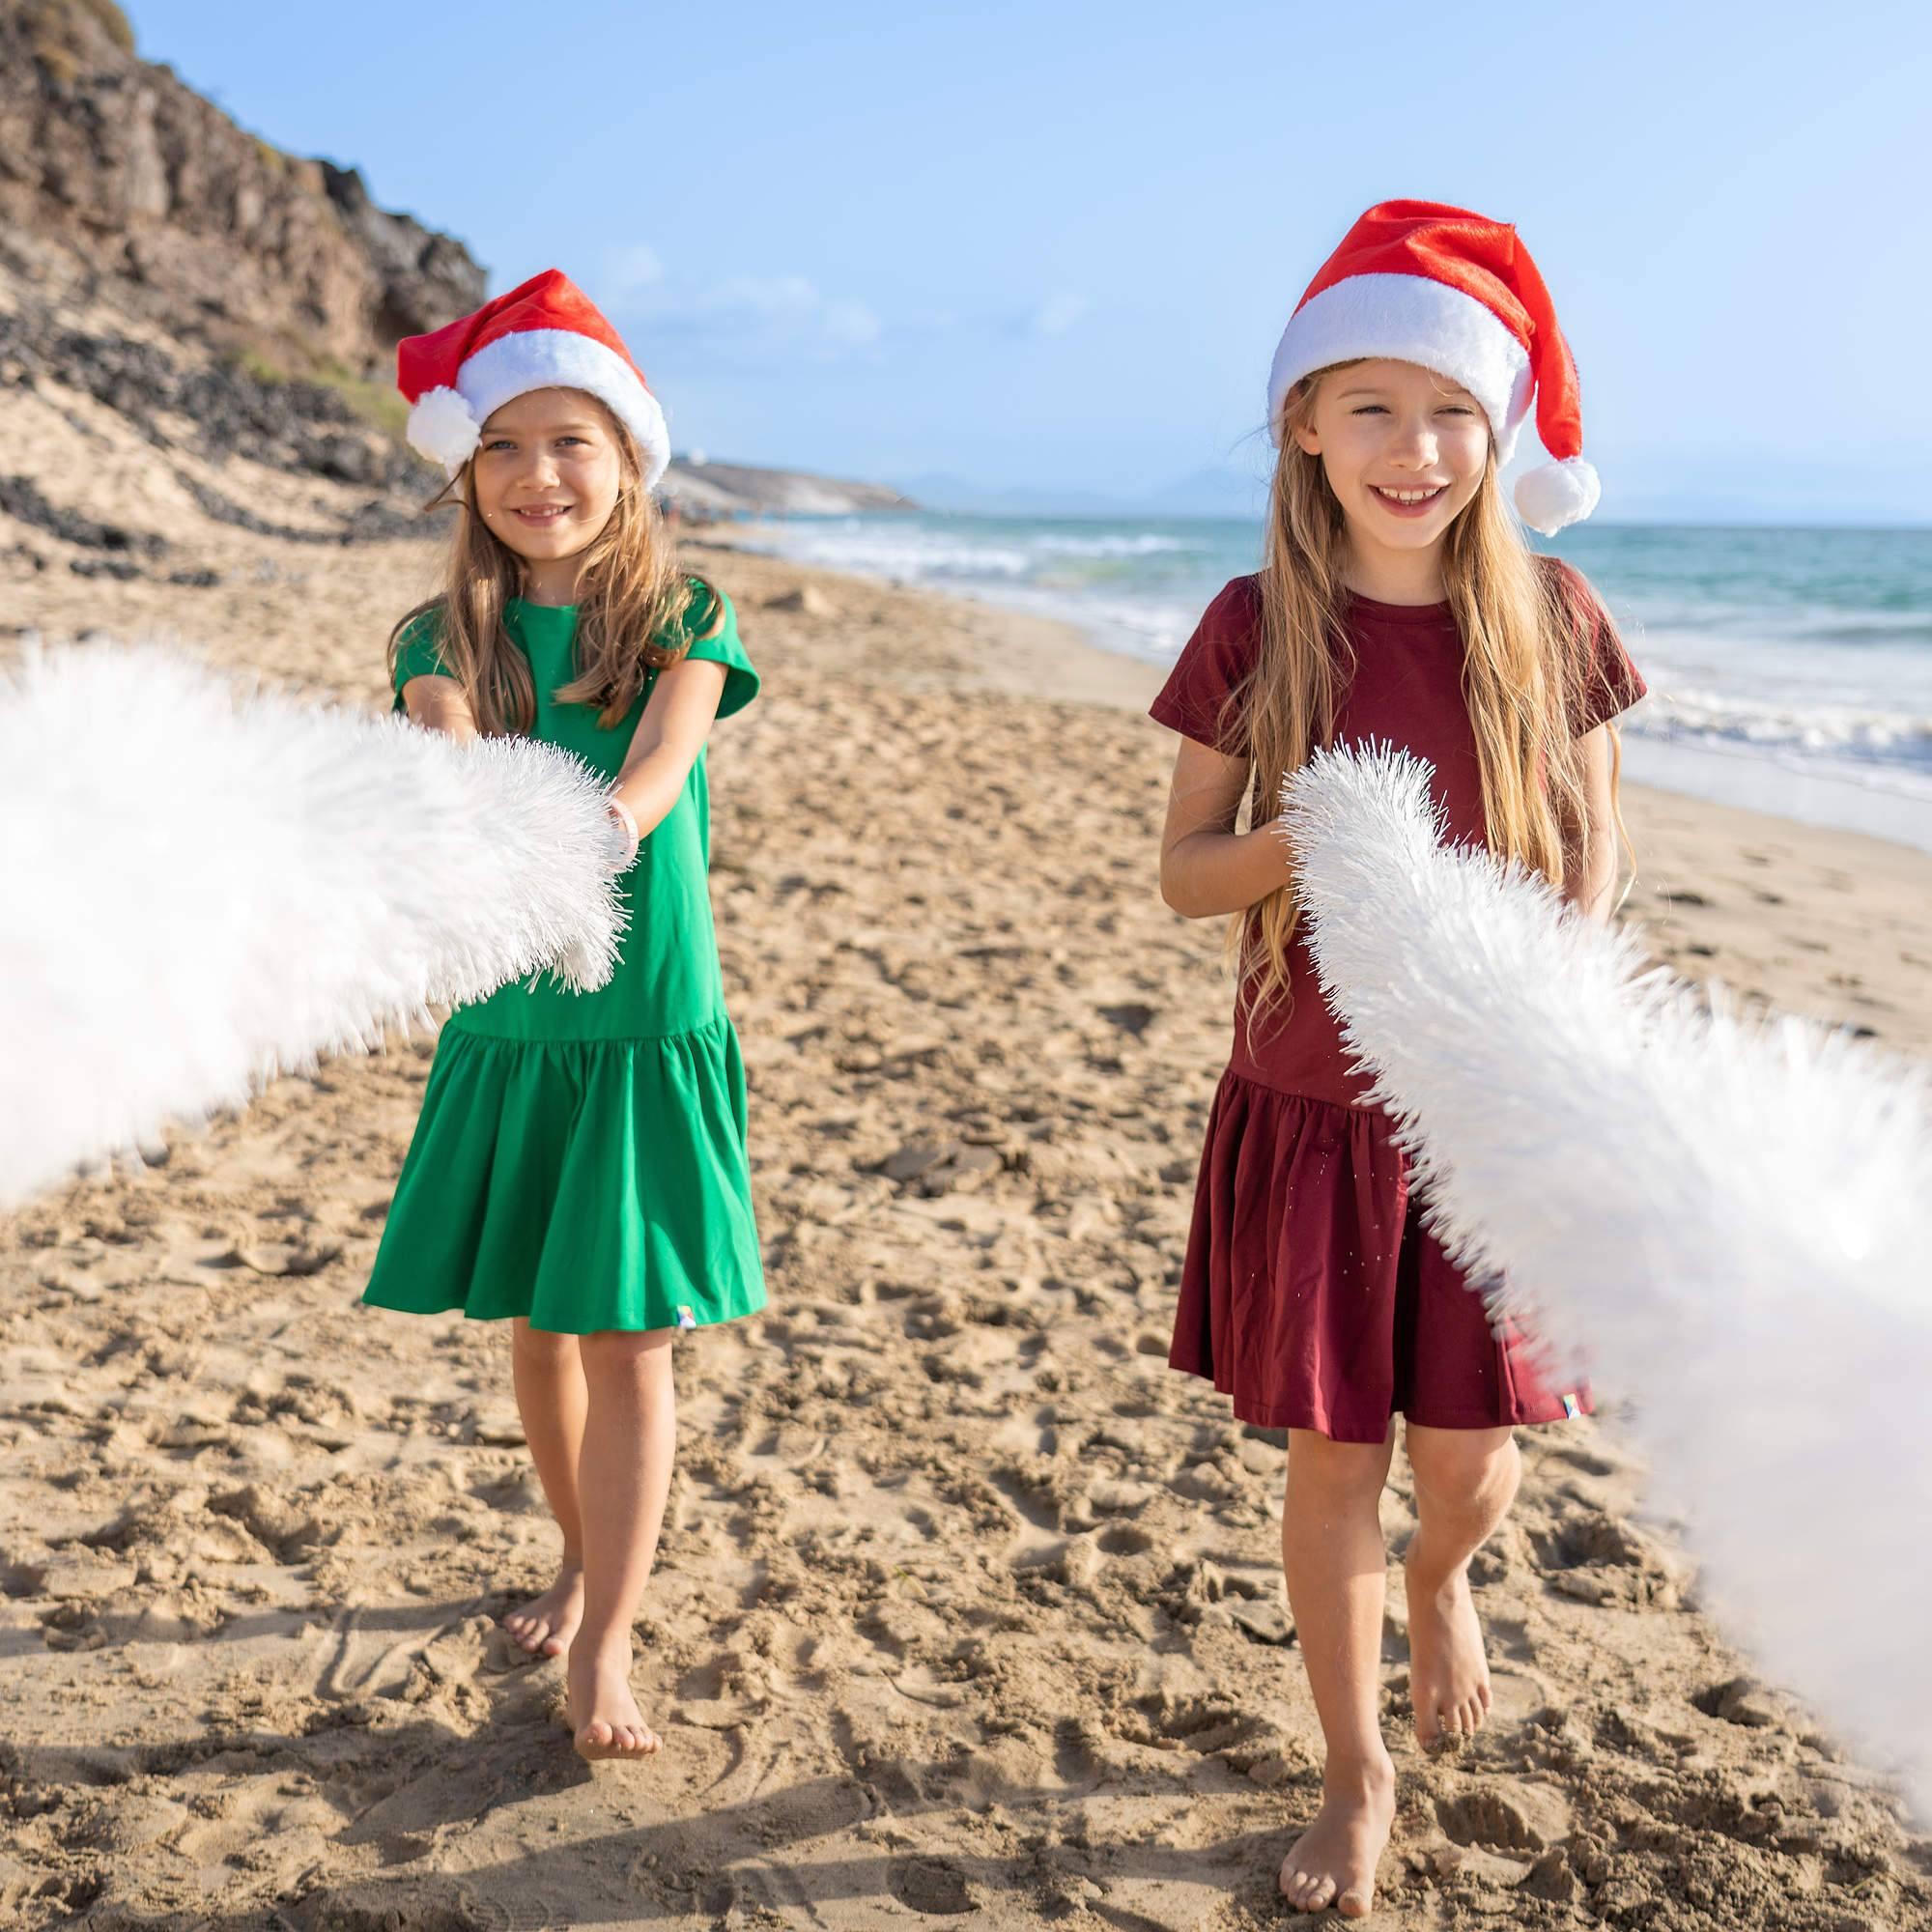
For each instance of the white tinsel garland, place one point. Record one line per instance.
(202, 886)
(1723, 1220)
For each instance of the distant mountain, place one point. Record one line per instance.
(1219, 492)
(741, 489)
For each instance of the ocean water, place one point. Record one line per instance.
(1790, 671)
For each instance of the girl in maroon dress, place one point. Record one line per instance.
(1398, 601)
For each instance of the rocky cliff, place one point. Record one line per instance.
(196, 223)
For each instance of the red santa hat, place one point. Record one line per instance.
(1416, 281)
(546, 333)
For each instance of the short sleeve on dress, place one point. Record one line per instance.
(416, 654)
(723, 646)
(1609, 683)
(1212, 662)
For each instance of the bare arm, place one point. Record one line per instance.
(439, 703)
(1206, 868)
(677, 722)
(1592, 884)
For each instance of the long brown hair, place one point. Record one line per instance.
(634, 606)
(1527, 643)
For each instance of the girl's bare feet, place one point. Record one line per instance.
(603, 1716)
(1334, 1862)
(545, 1625)
(1448, 1672)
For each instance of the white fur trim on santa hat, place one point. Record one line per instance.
(442, 428)
(560, 359)
(1555, 494)
(1408, 319)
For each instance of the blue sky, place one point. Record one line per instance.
(1052, 246)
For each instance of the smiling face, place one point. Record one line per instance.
(544, 478)
(1403, 449)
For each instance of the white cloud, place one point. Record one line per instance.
(785, 307)
(1057, 314)
(787, 298)
(851, 323)
(749, 311)
(628, 270)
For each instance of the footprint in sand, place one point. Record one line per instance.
(1504, 1817)
(934, 1887)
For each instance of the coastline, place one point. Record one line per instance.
(1752, 899)
(967, 1605)
(1761, 730)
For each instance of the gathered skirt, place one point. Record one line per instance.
(585, 1185)
(1314, 1297)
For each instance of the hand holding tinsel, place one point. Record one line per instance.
(624, 834)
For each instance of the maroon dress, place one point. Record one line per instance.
(1312, 1294)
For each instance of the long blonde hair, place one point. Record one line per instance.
(1526, 642)
(634, 604)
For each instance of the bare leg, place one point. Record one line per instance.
(1336, 1563)
(551, 1398)
(1465, 1480)
(630, 1436)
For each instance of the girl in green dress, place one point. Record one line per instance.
(579, 1163)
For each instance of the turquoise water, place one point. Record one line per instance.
(1790, 670)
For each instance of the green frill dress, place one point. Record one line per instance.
(580, 1158)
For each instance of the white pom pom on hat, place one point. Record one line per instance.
(1555, 494)
(546, 333)
(1419, 281)
(445, 428)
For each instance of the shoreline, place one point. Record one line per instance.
(1821, 794)
(1727, 894)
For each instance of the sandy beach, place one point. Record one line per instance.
(968, 1610)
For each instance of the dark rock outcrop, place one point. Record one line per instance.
(230, 408)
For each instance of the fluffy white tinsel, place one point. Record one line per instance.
(201, 886)
(1723, 1219)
